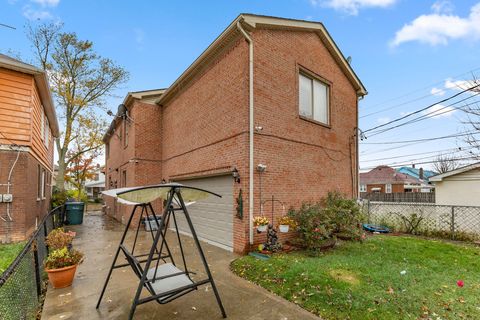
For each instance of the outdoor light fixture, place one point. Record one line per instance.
(261, 168)
(236, 175)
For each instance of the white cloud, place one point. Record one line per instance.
(437, 92)
(440, 26)
(443, 6)
(459, 85)
(34, 14)
(353, 6)
(383, 120)
(47, 3)
(439, 111)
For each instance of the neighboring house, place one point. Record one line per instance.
(420, 174)
(384, 179)
(267, 92)
(28, 125)
(95, 186)
(459, 187)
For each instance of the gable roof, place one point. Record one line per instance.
(386, 175)
(414, 172)
(42, 84)
(148, 95)
(440, 177)
(250, 22)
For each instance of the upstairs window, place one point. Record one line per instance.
(47, 132)
(313, 99)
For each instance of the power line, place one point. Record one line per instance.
(420, 153)
(422, 109)
(430, 114)
(426, 139)
(424, 162)
(426, 87)
(7, 26)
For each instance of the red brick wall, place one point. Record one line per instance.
(25, 210)
(305, 160)
(203, 129)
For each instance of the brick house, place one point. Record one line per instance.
(384, 179)
(268, 92)
(28, 125)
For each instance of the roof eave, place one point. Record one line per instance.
(253, 21)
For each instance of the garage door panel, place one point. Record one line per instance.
(211, 217)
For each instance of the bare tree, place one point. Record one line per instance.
(444, 163)
(80, 80)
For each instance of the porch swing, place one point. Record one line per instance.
(165, 281)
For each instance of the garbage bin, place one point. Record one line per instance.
(74, 212)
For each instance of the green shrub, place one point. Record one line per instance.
(61, 258)
(78, 196)
(334, 215)
(345, 214)
(58, 197)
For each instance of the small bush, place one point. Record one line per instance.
(58, 197)
(319, 222)
(58, 239)
(61, 258)
(78, 196)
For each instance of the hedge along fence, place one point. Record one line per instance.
(453, 222)
(22, 284)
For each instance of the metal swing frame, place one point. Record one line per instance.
(174, 197)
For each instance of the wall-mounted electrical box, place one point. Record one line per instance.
(7, 197)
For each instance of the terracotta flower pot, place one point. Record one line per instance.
(63, 277)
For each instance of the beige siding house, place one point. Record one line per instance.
(459, 187)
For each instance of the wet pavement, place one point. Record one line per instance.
(98, 238)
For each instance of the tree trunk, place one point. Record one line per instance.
(60, 179)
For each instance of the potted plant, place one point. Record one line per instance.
(261, 223)
(285, 223)
(61, 263)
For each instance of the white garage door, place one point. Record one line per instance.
(211, 217)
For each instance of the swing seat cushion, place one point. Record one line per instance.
(170, 283)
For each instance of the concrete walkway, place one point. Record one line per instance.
(98, 238)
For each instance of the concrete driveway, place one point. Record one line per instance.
(98, 238)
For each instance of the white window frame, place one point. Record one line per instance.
(42, 184)
(314, 84)
(388, 188)
(363, 188)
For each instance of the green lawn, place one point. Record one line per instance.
(365, 280)
(8, 252)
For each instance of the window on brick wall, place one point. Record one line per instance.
(313, 98)
(363, 188)
(388, 188)
(39, 182)
(43, 184)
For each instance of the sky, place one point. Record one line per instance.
(409, 54)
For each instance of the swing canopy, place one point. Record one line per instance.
(147, 194)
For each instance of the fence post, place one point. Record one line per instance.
(452, 223)
(368, 211)
(38, 280)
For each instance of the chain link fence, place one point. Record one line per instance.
(23, 283)
(452, 222)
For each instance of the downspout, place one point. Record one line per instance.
(250, 129)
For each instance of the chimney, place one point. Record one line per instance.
(420, 174)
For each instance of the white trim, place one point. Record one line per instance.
(439, 177)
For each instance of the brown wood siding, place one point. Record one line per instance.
(38, 145)
(15, 98)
